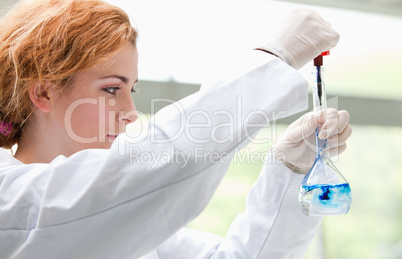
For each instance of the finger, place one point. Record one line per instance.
(335, 123)
(343, 120)
(340, 139)
(345, 135)
(330, 126)
(337, 151)
(303, 127)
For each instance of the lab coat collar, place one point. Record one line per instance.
(6, 159)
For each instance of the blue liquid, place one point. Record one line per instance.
(325, 199)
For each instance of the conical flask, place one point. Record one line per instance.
(324, 190)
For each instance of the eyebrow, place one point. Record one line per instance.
(121, 78)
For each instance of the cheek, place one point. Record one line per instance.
(88, 120)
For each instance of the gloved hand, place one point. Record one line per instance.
(303, 37)
(296, 148)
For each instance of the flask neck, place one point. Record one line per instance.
(320, 104)
(321, 147)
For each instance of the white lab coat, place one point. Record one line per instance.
(115, 204)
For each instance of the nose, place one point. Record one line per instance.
(128, 113)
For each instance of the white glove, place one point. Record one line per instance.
(304, 36)
(296, 148)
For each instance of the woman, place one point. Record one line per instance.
(75, 187)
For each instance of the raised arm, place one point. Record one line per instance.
(126, 201)
(272, 226)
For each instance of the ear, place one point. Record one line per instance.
(39, 95)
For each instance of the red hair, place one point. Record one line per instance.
(52, 40)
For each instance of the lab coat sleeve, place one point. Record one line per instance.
(125, 201)
(272, 225)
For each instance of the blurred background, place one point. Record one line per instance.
(180, 42)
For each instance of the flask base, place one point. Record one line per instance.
(325, 199)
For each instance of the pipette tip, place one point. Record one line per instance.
(318, 60)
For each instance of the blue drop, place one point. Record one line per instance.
(326, 199)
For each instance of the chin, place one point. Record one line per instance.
(97, 145)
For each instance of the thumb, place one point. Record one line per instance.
(303, 127)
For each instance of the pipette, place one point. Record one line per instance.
(319, 98)
(318, 62)
(324, 190)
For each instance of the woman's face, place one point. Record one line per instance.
(97, 105)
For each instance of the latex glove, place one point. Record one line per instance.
(296, 148)
(303, 37)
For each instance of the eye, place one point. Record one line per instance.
(111, 90)
(134, 90)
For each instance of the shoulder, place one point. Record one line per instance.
(6, 159)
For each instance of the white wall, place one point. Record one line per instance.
(6, 5)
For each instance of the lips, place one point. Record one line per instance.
(111, 136)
